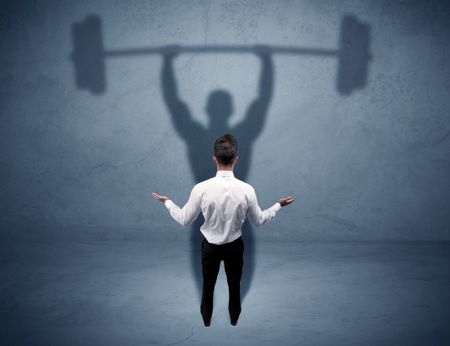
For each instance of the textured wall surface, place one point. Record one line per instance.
(373, 164)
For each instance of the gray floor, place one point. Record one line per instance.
(309, 293)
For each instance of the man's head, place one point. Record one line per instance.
(225, 151)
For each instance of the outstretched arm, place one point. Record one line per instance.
(188, 213)
(178, 110)
(259, 217)
(254, 120)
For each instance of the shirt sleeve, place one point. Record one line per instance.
(257, 216)
(189, 212)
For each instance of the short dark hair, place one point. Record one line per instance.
(225, 149)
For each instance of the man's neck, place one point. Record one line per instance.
(225, 168)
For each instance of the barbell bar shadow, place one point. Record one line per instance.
(353, 53)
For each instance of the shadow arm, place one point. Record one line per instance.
(179, 112)
(255, 118)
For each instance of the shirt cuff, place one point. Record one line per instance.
(168, 203)
(276, 206)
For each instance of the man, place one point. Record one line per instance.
(225, 202)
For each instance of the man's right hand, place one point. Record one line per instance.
(286, 201)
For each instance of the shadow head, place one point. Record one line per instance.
(219, 106)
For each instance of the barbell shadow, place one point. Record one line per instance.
(353, 54)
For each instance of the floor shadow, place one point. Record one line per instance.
(200, 140)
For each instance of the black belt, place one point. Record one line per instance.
(226, 244)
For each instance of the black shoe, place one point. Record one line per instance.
(207, 324)
(233, 323)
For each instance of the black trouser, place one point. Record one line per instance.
(232, 255)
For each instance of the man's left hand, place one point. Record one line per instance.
(160, 198)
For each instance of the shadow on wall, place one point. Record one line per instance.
(353, 54)
(353, 59)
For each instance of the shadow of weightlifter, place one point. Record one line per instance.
(200, 140)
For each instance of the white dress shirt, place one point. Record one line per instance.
(225, 202)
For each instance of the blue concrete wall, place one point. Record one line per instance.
(370, 165)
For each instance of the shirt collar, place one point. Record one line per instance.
(224, 174)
